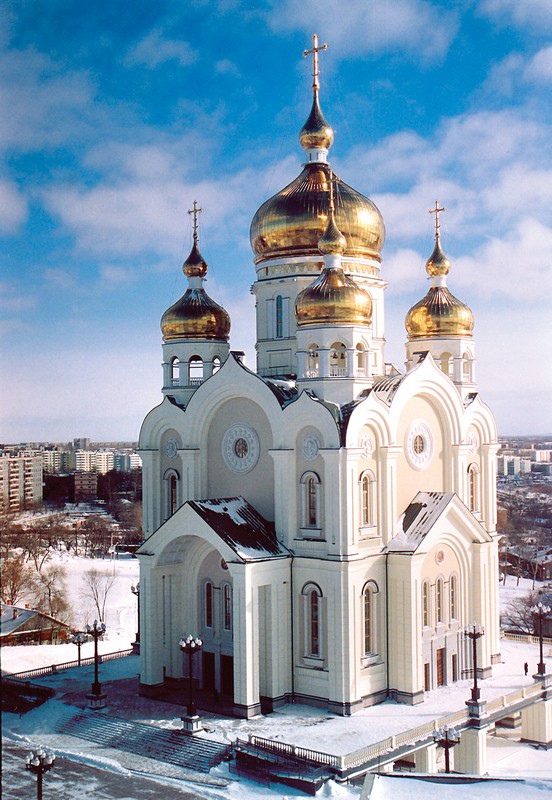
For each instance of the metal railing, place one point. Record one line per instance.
(54, 668)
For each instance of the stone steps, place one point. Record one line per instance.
(169, 746)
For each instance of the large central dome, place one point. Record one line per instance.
(292, 222)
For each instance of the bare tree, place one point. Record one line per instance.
(97, 586)
(50, 594)
(17, 580)
(518, 614)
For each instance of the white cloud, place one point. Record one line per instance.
(532, 14)
(154, 50)
(359, 26)
(13, 207)
(539, 67)
(227, 67)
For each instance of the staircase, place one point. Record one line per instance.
(169, 746)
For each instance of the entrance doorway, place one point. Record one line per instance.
(208, 670)
(227, 675)
(441, 667)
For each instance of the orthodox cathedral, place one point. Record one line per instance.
(326, 524)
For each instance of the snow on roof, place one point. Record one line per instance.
(238, 524)
(418, 519)
(13, 617)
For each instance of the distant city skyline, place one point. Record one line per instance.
(116, 117)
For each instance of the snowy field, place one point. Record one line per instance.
(84, 770)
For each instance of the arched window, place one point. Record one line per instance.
(171, 481)
(227, 607)
(473, 487)
(425, 604)
(338, 360)
(446, 364)
(467, 367)
(208, 604)
(310, 501)
(175, 371)
(216, 364)
(361, 366)
(369, 618)
(439, 600)
(453, 591)
(313, 621)
(367, 499)
(195, 371)
(279, 317)
(313, 364)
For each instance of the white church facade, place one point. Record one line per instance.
(326, 525)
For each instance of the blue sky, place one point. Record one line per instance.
(117, 115)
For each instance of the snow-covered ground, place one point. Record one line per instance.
(301, 725)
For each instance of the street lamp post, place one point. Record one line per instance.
(474, 632)
(447, 738)
(136, 592)
(38, 762)
(96, 698)
(191, 645)
(79, 639)
(541, 610)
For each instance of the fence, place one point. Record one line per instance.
(54, 668)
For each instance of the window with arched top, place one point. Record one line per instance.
(208, 604)
(313, 361)
(369, 619)
(446, 364)
(473, 487)
(175, 371)
(338, 360)
(453, 597)
(313, 621)
(227, 607)
(172, 500)
(467, 367)
(195, 370)
(216, 364)
(367, 499)
(361, 365)
(279, 317)
(439, 601)
(426, 604)
(311, 516)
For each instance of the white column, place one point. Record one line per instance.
(536, 721)
(246, 642)
(470, 754)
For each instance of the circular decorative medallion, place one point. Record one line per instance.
(472, 441)
(311, 446)
(367, 445)
(171, 448)
(240, 448)
(439, 556)
(419, 444)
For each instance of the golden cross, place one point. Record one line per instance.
(315, 50)
(332, 180)
(195, 211)
(436, 211)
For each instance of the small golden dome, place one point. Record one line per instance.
(292, 222)
(316, 133)
(335, 299)
(437, 263)
(195, 316)
(195, 265)
(332, 240)
(439, 313)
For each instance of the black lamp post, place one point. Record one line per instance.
(136, 592)
(38, 762)
(541, 610)
(191, 645)
(79, 639)
(447, 738)
(474, 632)
(96, 631)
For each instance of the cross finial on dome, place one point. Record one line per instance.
(195, 211)
(436, 211)
(314, 52)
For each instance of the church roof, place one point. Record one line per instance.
(418, 519)
(243, 529)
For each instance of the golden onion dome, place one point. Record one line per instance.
(332, 240)
(195, 265)
(437, 263)
(335, 299)
(439, 313)
(316, 133)
(195, 315)
(292, 222)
